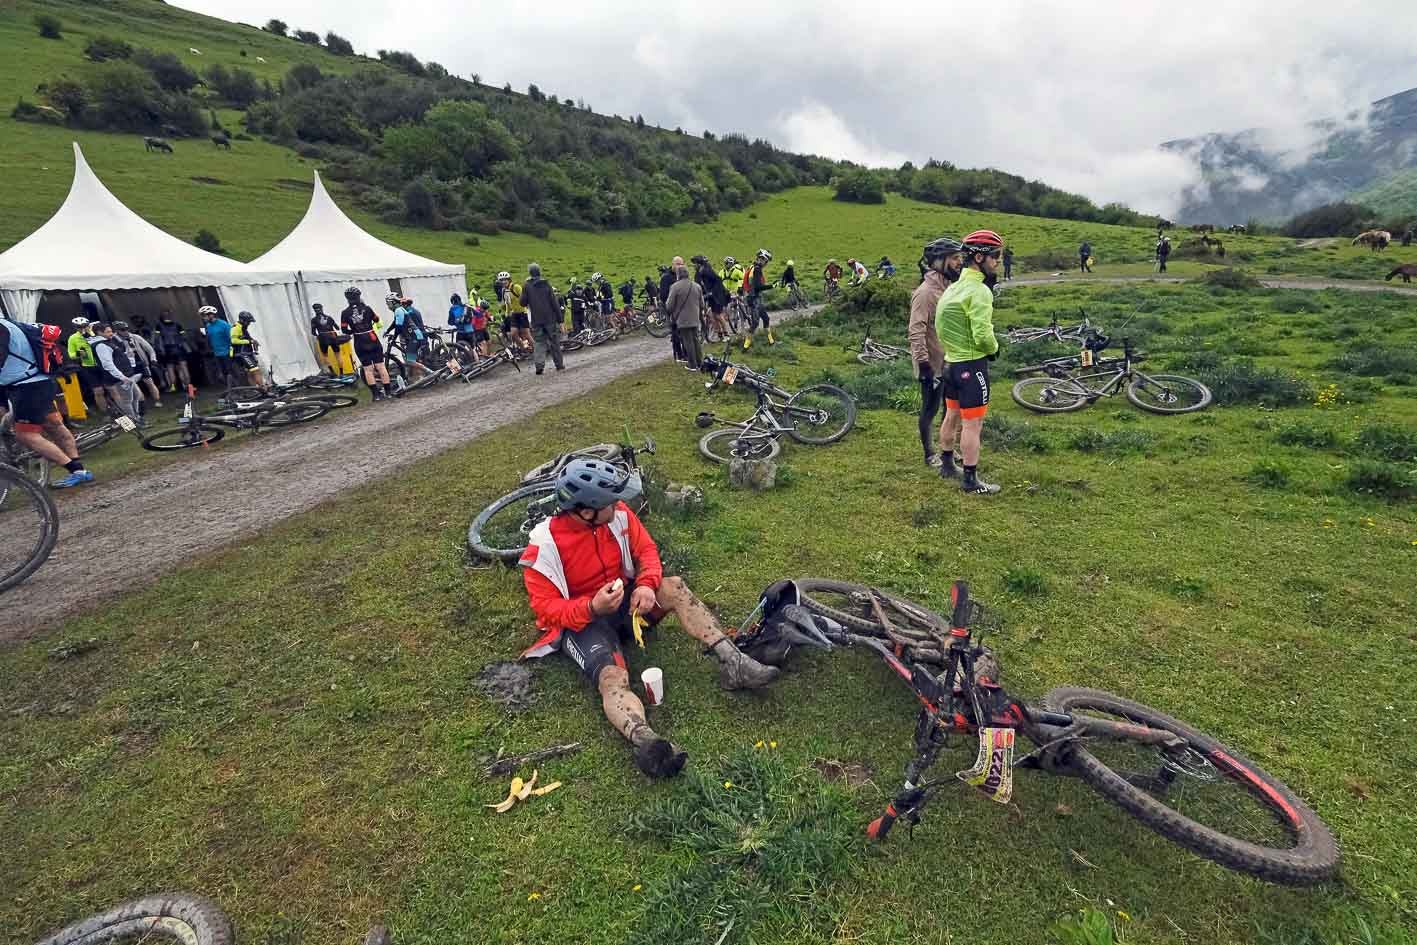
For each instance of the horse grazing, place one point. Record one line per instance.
(220, 139)
(1375, 240)
(156, 144)
(1237, 229)
(1406, 271)
(1202, 228)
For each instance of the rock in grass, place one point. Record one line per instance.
(756, 474)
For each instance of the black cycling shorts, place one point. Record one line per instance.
(33, 403)
(480, 335)
(369, 354)
(967, 387)
(520, 320)
(246, 360)
(600, 644)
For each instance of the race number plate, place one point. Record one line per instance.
(993, 771)
(1087, 357)
(126, 424)
(730, 375)
(187, 412)
(453, 365)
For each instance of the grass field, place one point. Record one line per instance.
(291, 726)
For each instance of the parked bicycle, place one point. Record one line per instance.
(484, 365)
(500, 531)
(1062, 390)
(179, 917)
(197, 429)
(37, 467)
(588, 338)
(1184, 784)
(815, 415)
(29, 524)
(315, 382)
(873, 352)
(1066, 334)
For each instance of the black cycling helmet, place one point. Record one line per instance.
(245, 318)
(586, 483)
(352, 292)
(940, 248)
(120, 326)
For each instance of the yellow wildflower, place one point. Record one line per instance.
(728, 785)
(533, 897)
(772, 744)
(636, 888)
(758, 743)
(1123, 916)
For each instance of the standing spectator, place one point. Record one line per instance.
(1163, 251)
(173, 349)
(361, 323)
(327, 335)
(666, 282)
(144, 358)
(91, 376)
(941, 259)
(218, 334)
(577, 307)
(545, 319)
(1085, 256)
(244, 348)
(26, 384)
(715, 295)
(682, 306)
(964, 319)
(121, 377)
(1008, 263)
(408, 328)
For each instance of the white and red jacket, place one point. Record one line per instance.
(566, 561)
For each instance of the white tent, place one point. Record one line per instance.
(95, 243)
(330, 252)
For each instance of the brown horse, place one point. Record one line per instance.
(1406, 271)
(1373, 239)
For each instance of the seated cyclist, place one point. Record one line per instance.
(588, 570)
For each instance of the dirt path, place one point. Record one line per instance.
(1269, 282)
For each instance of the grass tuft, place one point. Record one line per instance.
(1384, 480)
(1269, 474)
(1025, 581)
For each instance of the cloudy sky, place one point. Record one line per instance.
(1077, 94)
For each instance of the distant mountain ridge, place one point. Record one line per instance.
(1246, 176)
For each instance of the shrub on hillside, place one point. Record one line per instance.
(103, 48)
(1232, 279)
(206, 239)
(1241, 381)
(238, 86)
(859, 187)
(1293, 302)
(403, 61)
(68, 96)
(1389, 441)
(49, 26)
(1268, 473)
(278, 27)
(309, 37)
(29, 111)
(1386, 480)
(1307, 435)
(884, 299)
(1332, 219)
(124, 97)
(1374, 360)
(170, 72)
(338, 45)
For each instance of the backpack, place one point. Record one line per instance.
(43, 339)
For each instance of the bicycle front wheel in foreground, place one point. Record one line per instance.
(295, 412)
(29, 523)
(181, 917)
(1202, 795)
(1049, 395)
(728, 444)
(501, 530)
(820, 414)
(182, 438)
(1168, 393)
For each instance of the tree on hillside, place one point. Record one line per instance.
(435, 70)
(49, 26)
(238, 86)
(169, 71)
(68, 96)
(302, 75)
(309, 37)
(403, 61)
(103, 48)
(533, 93)
(860, 186)
(1332, 219)
(275, 26)
(338, 45)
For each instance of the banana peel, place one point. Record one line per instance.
(522, 790)
(638, 624)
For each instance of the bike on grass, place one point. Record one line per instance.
(29, 522)
(815, 415)
(1064, 389)
(1065, 334)
(197, 429)
(177, 916)
(872, 351)
(1180, 782)
(500, 531)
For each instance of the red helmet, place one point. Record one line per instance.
(984, 241)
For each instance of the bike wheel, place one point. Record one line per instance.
(850, 605)
(657, 325)
(1206, 797)
(1168, 393)
(430, 379)
(182, 438)
(1049, 394)
(300, 411)
(30, 523)
(868, 358)
(245, 394)
(333, 401)
(500, 531)
(181, 917)
(820, 414)
(723, 446)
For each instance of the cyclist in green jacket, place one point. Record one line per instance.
(964, 320)
(91, 378)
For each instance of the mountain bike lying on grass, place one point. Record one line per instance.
(315, 382)
(1064, 389)
(729, 373)
(88, 440)
(500, 531)
(204, 429)
(815, 415)
(1178, 781)
(180, 917)
(483, 365)
(873, 352)
(1065, 334)
(29, 524)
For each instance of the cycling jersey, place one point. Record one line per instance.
(81, 350)
(757, 281)
(219, 337)
(513, 298)
(408, 324)
(360, 323)
(859, 272)
(732, 278)
(789, 276)
(242, 341)
(964, 319)
(455, 314)
(323, 325)
(172, 339)
(832, 272)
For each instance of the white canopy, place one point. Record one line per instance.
(95, 243)
(330, 252)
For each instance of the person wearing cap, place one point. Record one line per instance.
(545, 311)
(940, 263)
(121, 376)
(590, 570)
(964, 319)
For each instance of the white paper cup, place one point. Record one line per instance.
(653, 679)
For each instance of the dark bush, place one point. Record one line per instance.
(338, 45)
(860, 187)
(275, 26)
(1374, 360)
(68, 96)
(238, 86)
(206, 239)
(471, 240)
(28, 111)
(1307, 435)
(309, 37)
(1241, 381)
(1269, 474)
(403, 61)
(302, 75)
(1389, 441)
(103, 48)
(1386, 480)
(169, 71)
(1233, 279)
(49, 26)
(1333, 219)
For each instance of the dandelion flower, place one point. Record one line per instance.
(772, 744)
(533, 897)
(636, 888)
(728, 785)
(1123, 916)
(758, 743)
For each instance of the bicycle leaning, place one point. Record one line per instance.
(1182, 783)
